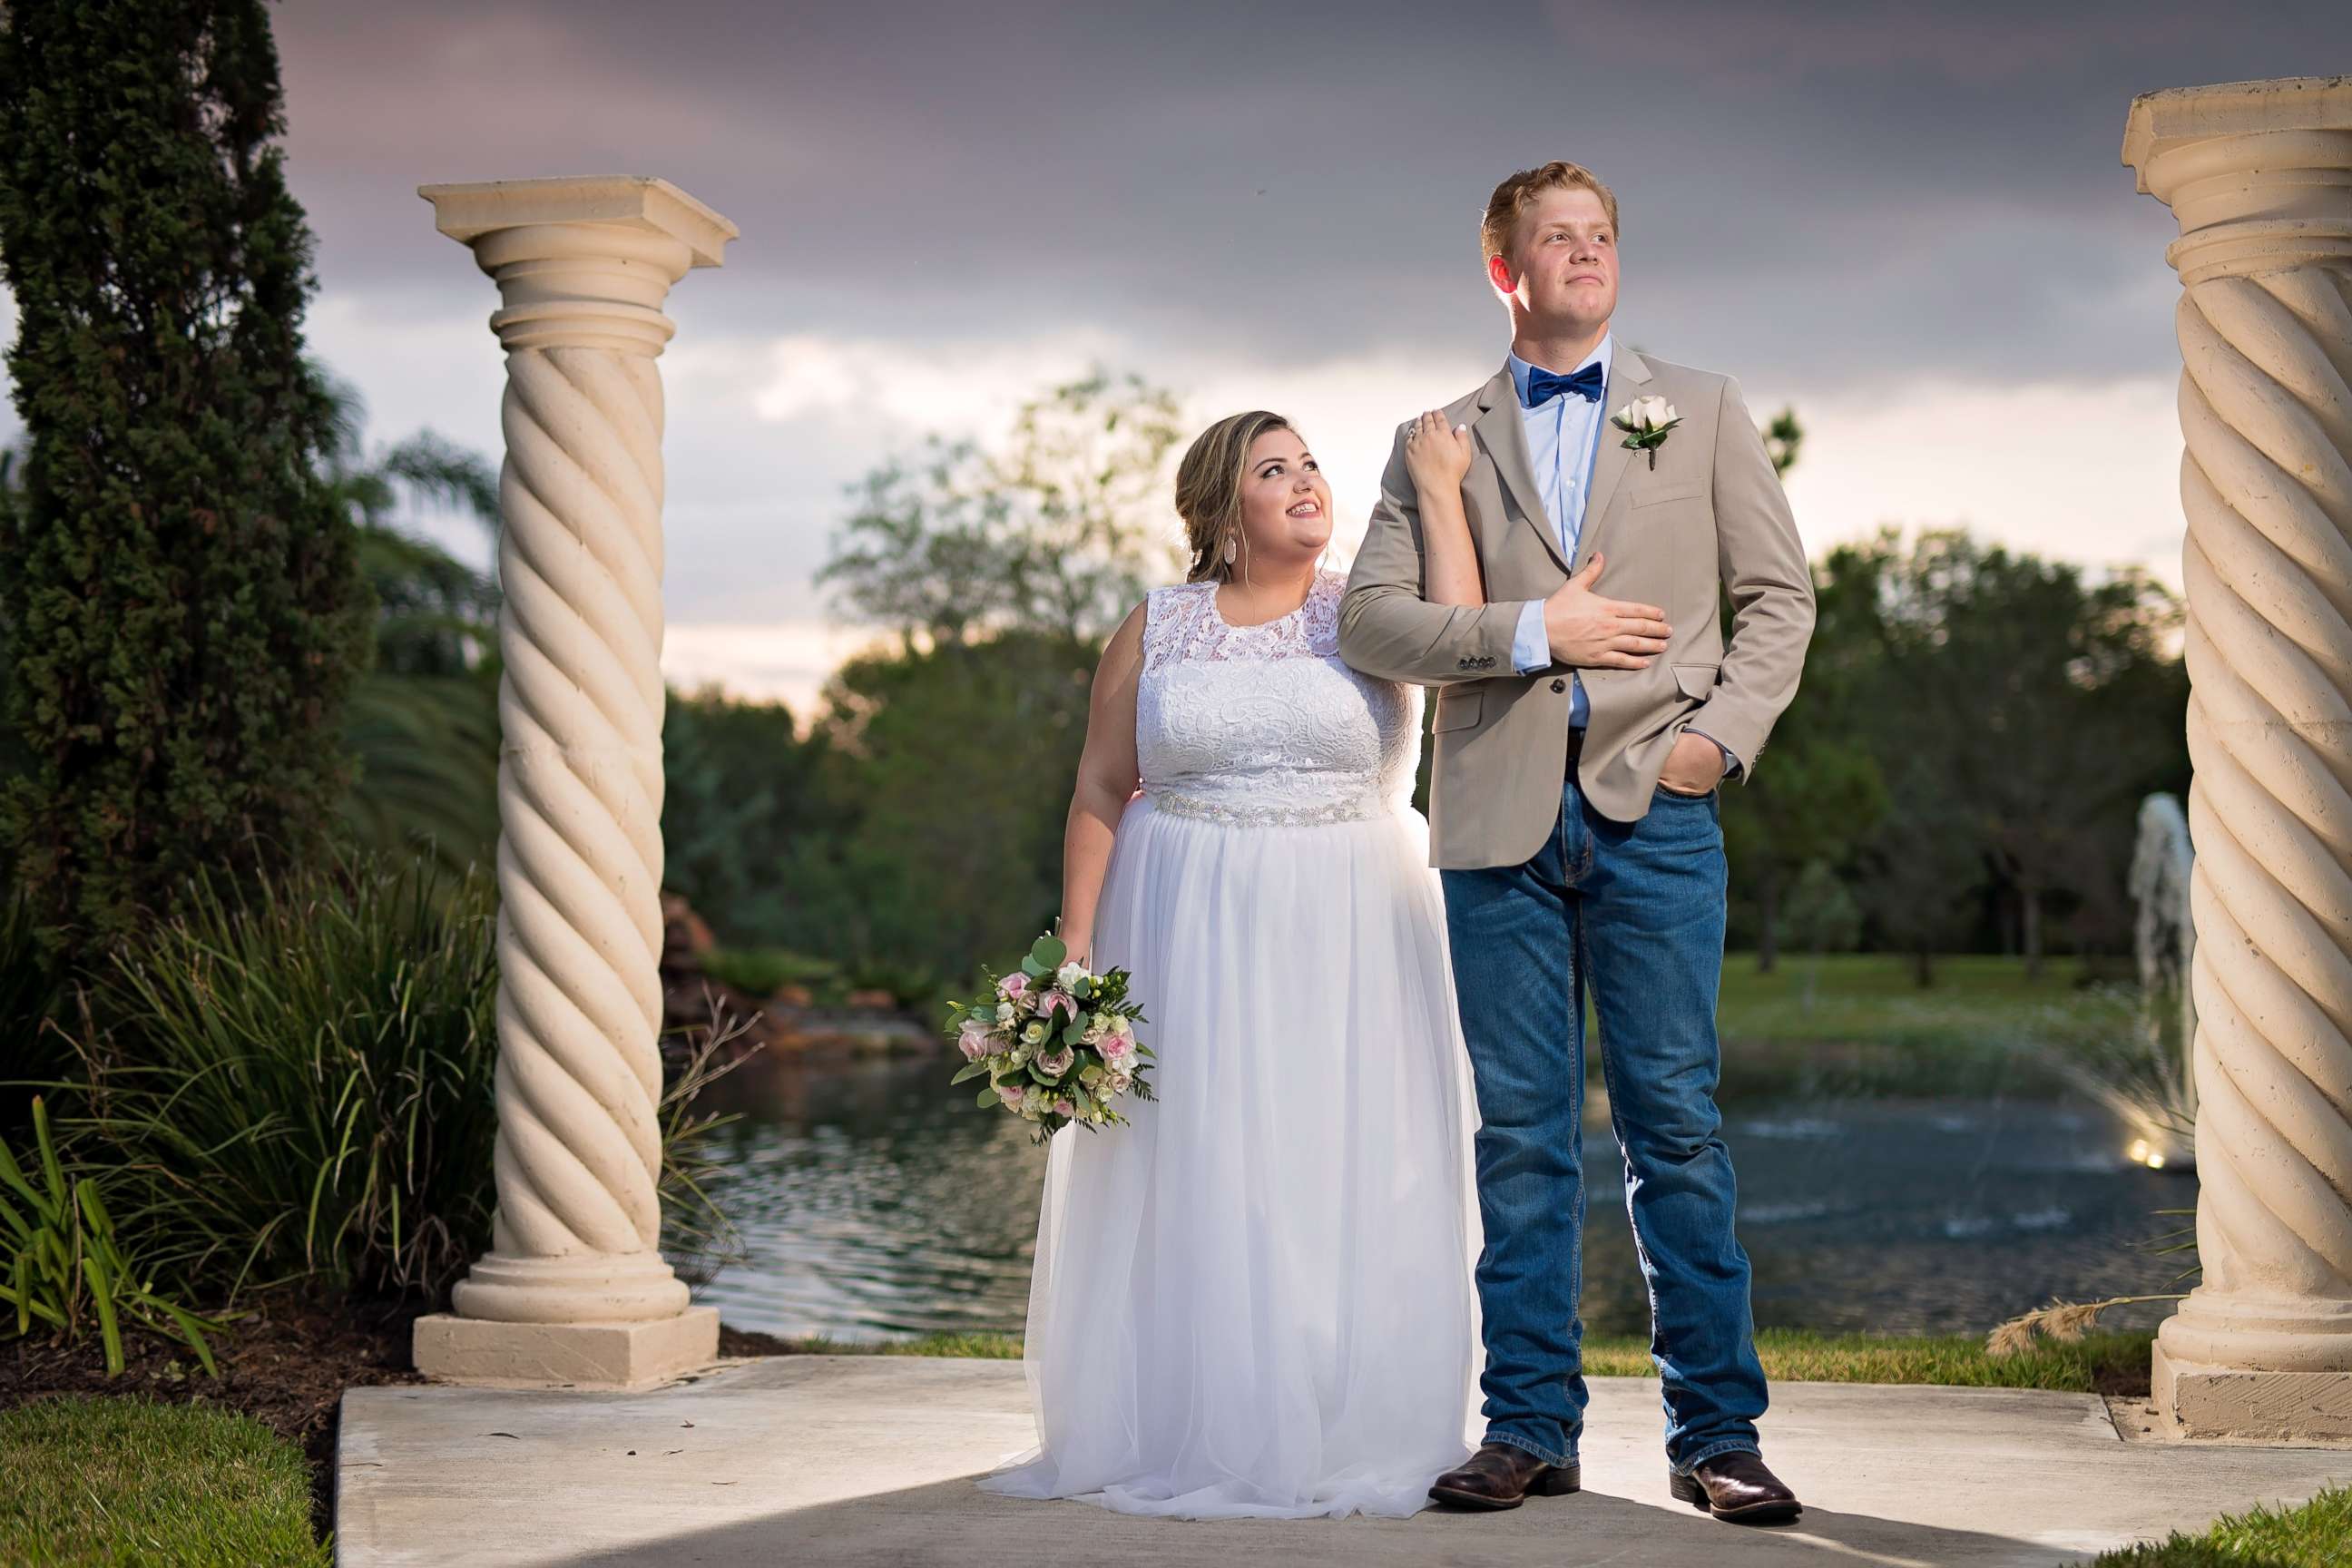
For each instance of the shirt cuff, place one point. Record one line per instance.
(1530, 648)
(1730, 762)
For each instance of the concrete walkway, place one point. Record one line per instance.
(857, 1459)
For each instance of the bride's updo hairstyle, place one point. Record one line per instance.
(1209, 489)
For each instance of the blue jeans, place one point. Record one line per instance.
(1635, 911)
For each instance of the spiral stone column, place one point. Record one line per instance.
(2259, 177)
(573, 1290)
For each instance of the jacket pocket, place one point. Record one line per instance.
(1697, 680)
(1665, 493)
(1456, 710)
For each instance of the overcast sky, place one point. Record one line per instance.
(1910, 221)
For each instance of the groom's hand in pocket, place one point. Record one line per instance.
(1592, 631)
(1693, 767)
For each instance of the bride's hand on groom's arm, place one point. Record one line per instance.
(1593, 632)
(1437, 456)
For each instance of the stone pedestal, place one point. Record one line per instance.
(574, 1289)
(2260, 177)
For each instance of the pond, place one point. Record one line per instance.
(874, 1201)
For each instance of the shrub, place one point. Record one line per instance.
(185, 613)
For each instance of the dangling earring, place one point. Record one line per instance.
(1232, 548)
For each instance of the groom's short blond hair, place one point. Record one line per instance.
(1512, 196)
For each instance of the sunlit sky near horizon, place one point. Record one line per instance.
(1911, 222)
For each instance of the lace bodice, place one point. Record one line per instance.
(1264, 724)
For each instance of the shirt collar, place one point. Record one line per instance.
(1520, 369)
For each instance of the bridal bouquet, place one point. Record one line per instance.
(1056, 1042)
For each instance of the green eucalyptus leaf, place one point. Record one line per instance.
(1051, 951)
(987, 1097)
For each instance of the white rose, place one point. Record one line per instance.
(1033, 1033)
(1652, 412)
(1004, 1012)
(1069, 975)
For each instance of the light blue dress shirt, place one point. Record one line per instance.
(1563, 437)
(1563, 433)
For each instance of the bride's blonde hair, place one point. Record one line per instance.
(1209, 489)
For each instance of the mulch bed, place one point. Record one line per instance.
(2122, 1380)
(734, 1342)
(286, 1365)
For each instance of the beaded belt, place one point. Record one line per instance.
(1207, 809)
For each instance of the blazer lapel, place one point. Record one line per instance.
(1504, 437)
(1612, 458)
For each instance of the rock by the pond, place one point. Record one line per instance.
(698, 1005)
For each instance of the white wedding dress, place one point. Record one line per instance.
(1256, 1300)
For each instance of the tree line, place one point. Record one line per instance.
(1959, 773)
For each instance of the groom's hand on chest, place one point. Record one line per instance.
(1590, 631)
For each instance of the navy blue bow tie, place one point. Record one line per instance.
(1543, 385)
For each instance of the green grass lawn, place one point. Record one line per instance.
(1862, 1025)
(2316, 1535)
(2096, 1362)
(132, 1483)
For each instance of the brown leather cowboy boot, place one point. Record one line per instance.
(1737, 1486)
(1501, 1475)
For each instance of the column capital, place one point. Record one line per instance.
(581, 262)
(2258, 173)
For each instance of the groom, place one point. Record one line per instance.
(1585, 715)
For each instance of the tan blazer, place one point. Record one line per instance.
(1710, 518)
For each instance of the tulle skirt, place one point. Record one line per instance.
(1256, 1300)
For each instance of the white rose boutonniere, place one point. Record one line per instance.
(1645, 422)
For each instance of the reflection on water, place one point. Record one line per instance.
(874, 1200)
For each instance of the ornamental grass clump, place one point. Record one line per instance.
(294, 1080)
(62, 1267)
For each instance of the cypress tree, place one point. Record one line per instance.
(185, 609)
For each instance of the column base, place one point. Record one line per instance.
(2198, 1401)
(488, 1353)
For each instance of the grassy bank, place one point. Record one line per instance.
(2316, 1535)
(130, 1482)
(1848, 1025)
(1862, 1024)
(2098, 1363)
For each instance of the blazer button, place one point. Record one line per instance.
(1559, 685)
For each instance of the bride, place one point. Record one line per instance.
(1256, 1300)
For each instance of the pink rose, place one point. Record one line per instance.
(1064, 1107)
(1053, 1001)
(972, 1044)
(1057, 1063)
(1013, 1094)
(1013, 986)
